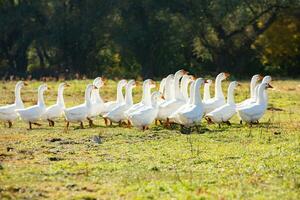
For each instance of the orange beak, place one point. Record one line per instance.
(269, 86)
(25, 83)
(67, 85)
(185, 72)
(260, 77)
(193, 77)
(163, 97)
(227, 74)
(205, 81)
(153, 83)
(238, 84)
(94, 87)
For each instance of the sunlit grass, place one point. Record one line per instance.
(262, 162)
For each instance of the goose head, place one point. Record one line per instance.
(122, 83)
(155, 97)
(62, 85)
(267, 85)
(223, 76)
(131, 84)
(42, 88)
(21, 84)
(98, 82)
(267, 79)
(180, 73)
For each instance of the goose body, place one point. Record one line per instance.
(118, 113)
(8, 113)
(253, 112)
(34, 113)
(146, 97)
(168, 107)
(252, 98)
(144, 117)
(225, 112)
(109, 106)
(219, 99)
(80, 113)
(192, 112)
(56, 111)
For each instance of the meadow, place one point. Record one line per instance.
(231, 162)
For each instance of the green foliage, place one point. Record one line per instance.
(151, 38)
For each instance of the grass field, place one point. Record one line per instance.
(231, 162)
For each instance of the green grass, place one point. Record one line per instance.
(237, 162)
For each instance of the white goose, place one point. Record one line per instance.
(168, 88)
(252, 98)
(109, 106)
(219, 99)
(8, 113)
(80, 113)
(144, 117)
(34, 113)
(170, 106)
(117, 115)
(97, 101)
(206, 94)
(192, 112)
(146, 97)
(266, 79)
(56, 111)
(174, 117)
(224, 113)
(252, 113)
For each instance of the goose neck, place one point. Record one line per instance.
(120, 97)
(218, 88)
(178, 94)
(261, 90)
(18, 99)
(230, 95)
(128, 97)
(87, 95)
(60, 96)
(97, 96)
(41, 101)
(206, 91)
(196, 93)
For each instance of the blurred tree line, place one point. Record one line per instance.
(148, 38)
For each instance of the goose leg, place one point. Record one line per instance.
(128, 124)
(9, 124)
(81, 125)
(105, 121)
(110, 122)
(144, 128)
(156, 122)
(228, 123)
(167, 123)
(49, 122)
(67, 125)
(219, 125)
(30, 126)
(241, 122)
(91, 124)
(37, 124)
(53, 123)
